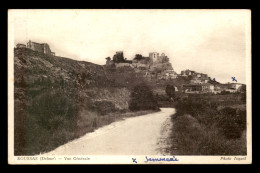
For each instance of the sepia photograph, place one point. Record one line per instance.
(129, 86)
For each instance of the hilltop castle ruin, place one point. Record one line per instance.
(156, 58)
(39, 47)
(152, 66)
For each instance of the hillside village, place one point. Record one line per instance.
(156, 68)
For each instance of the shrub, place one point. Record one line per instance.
(232, 122)
(243, 93)
(220, 132)
(224, 92)
(184, 107)
(142, 98)
(46, 115)
(189, 106)
(170, 91)
(104, 107)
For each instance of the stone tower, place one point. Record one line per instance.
(154, 56)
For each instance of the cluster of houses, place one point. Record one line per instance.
(39, 47)
(153, 67)
(199, 83)
(196, 78)
(157, 67)
(154, 58)
(211, 88)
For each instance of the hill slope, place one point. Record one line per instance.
(35, 66)
(58, 99)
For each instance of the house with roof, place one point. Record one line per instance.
(187, 72)
(190, 88)
(207, 87)
(196, 81)
(235, 86)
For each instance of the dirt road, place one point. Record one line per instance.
(142, 135)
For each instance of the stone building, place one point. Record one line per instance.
(192, 88)
(207, 87)
(121, 64)
(40, 47)
(163, 58)
(196, 81)
(195, 88)
(153, 56)
(187, 72)
(156, 58)
(235, 86)
(109, 62)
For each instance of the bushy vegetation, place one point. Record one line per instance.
(102, 107)
(142, 98)
(232, 122)
(170, 91)
(204, 126)
(243, 95)
(193, 138)
(53, 116)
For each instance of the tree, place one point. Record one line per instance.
(118, 57)
(138, 57)
(170, 91)
(142, 98)
(243, 93)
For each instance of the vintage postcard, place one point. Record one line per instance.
(121, 86)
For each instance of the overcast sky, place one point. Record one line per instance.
(212, 42)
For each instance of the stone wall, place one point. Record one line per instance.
(47, 49)
(122, 65)
(40, 47)
(35, 46)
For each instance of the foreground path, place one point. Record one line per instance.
(140, 135)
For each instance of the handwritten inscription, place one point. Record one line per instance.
(234, 79)
(134, 160)
(168, 159)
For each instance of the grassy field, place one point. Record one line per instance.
(209, 125)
